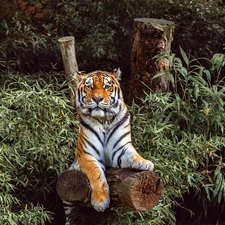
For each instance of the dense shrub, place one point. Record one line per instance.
(37, 135)
(182, 132)
(103, 32)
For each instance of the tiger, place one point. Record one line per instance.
(104, 135)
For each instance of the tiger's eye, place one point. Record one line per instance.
(89, 87)
(107, 86)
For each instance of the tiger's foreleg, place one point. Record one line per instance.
(130, 158)
(100, 190)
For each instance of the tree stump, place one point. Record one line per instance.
(151, 37)
(129, 188)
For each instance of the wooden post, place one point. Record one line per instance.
(69, 62)
(130, 188)
(151, 37)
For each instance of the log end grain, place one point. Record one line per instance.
(146, 191)
(66, 39)
(73, 185)
(160, 22)
(134, 189)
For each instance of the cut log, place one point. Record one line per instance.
(69, 62)
(134, 189)
(151, 37)
(129, 188)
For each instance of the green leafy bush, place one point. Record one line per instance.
(37, 133)
(199, 26)
(182, 132)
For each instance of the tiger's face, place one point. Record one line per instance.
(99, 94)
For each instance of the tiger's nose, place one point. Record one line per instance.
(97, 99)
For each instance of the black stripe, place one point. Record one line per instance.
(81, 137)
(119, 93)
(114, 153)
(121, 137)
(119, 158)
(78, 91)
(89, 143)
(80, 97)
(100, 161)
(101, 123)
(91, 129)
(68, 204)
(112, 100)
(115, 105)
(87, 152)
(127, 125)
(123, 120)
(82, 101)
(116, 96)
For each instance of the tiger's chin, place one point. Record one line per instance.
(102, 114)
(97, 113)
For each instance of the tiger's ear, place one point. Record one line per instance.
(117, 73)
(78, 75)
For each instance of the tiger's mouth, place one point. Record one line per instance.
(97, 108)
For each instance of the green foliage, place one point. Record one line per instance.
(183, 133)
(159, 215)
(103, 32)
(199, 26)
(25, 48)
(37, 134)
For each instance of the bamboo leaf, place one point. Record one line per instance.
(158, 75)
(171, 77)
(184, 56)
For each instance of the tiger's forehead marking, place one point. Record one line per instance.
(98, 79)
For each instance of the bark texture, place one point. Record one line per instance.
(129, 188)
(70, 62)
(151, 37)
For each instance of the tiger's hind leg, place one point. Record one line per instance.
(68, 207)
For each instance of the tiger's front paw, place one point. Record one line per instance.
(145, 165)
(100, 198)
(137, 162)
